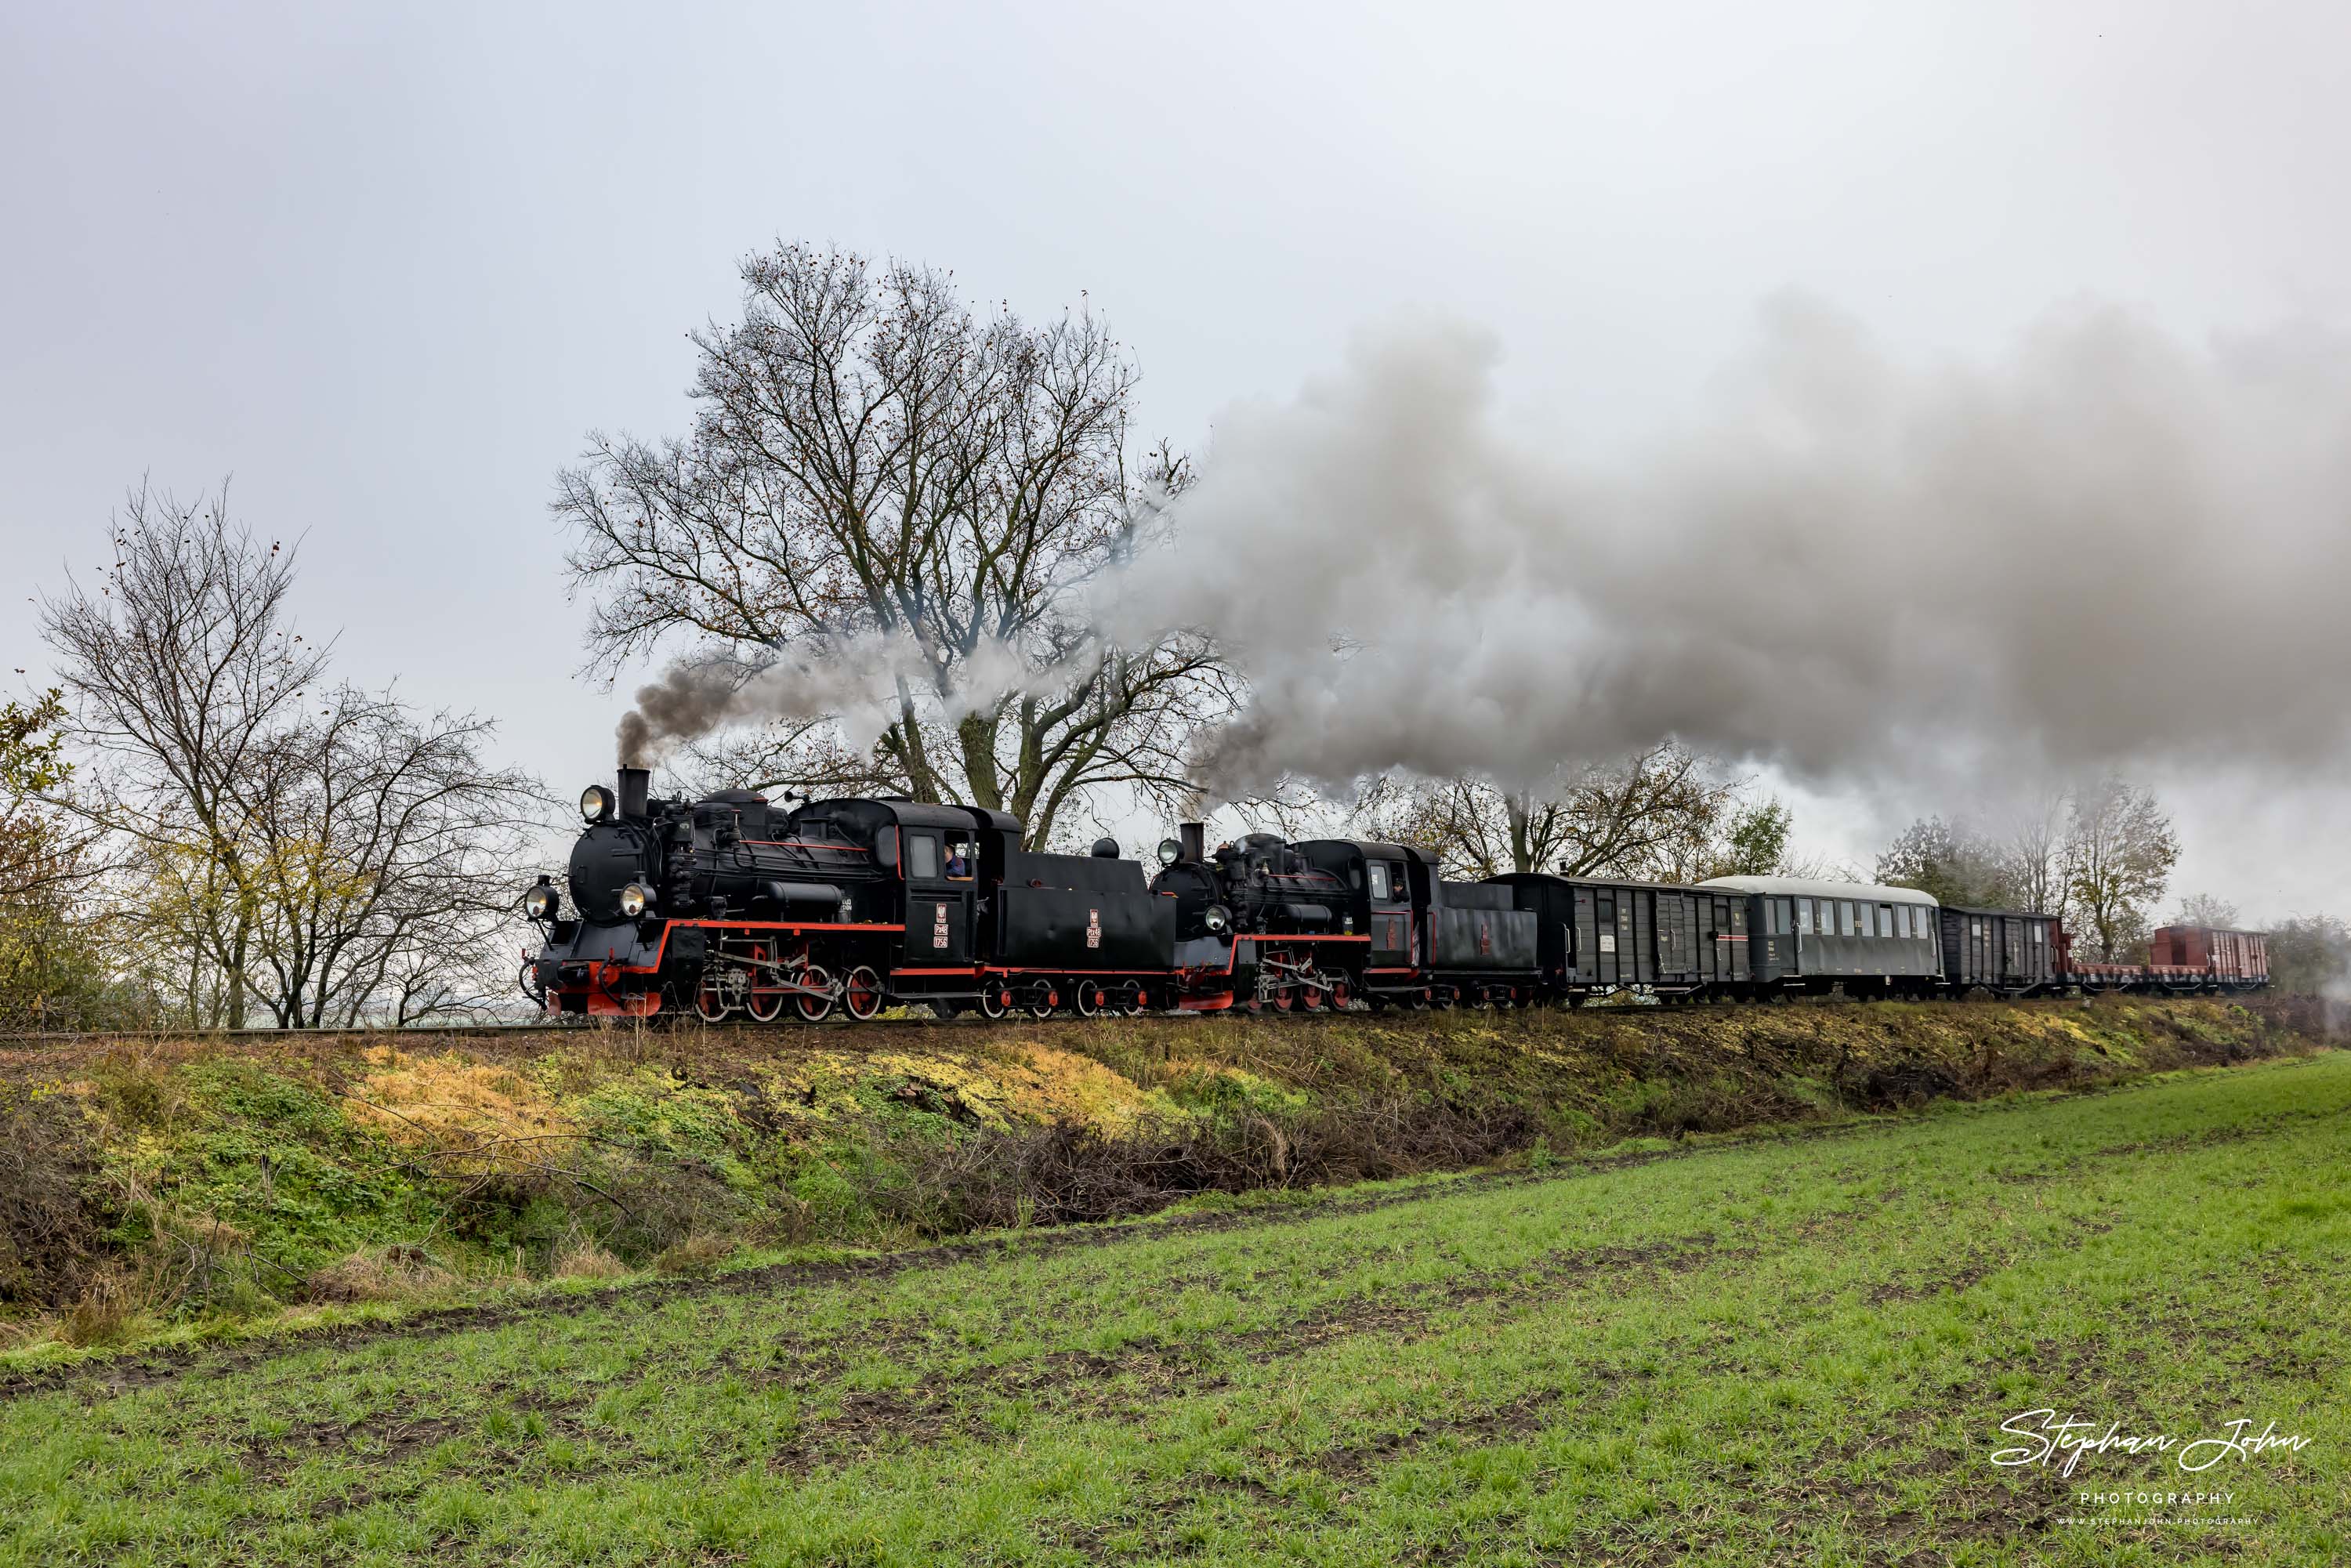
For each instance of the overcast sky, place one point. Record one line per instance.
(387, 266)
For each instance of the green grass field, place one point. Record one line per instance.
(1796, 1349)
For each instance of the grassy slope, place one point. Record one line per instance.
(1796, 1348)
(194, 1188)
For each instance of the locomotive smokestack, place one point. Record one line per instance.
(1195, 837)
(636, 784)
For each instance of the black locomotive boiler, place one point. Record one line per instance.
(729, 905)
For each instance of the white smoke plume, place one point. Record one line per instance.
(2108, 549)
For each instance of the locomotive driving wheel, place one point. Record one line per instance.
(710, 1003)
(815, 998)
(764, 996)
(862, 994)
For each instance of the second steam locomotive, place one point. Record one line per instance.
(729, 905)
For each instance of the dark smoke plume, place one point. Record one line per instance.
(2109, 548)
(850, 683)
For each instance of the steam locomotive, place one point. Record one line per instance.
(729, 905)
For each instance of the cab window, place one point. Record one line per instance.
(963, 859)
(922, 857)
(1380, 879)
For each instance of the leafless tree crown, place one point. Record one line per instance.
(274, 839)
(867, 457)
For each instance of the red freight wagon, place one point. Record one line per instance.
(2239, 957)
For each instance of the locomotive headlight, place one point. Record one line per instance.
(634, 899)
(1218, 920)
(1170, 852)
(540, 902)
(595, 802)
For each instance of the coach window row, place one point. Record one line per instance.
(1847, 917)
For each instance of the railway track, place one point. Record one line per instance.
(795, 1026)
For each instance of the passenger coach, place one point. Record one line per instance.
(1812, 936)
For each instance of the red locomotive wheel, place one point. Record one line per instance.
(815, 1000)
(1310, 999)
(1339, 997)
(862, 993)
(764, 1003)
(710, 1004)
(1282, 1000)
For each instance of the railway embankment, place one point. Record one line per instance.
(179, 1188)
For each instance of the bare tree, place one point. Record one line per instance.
(184, 667)
(2206, 909)
(274, 838)
(2119, 850)
(2035, 855)
(1658, 814)
(869, 459)
(391, 855)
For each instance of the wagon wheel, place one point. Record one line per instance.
(1506, 999)
(1042, 999)
(1089, 998)
(1442, 999)
(862, 993)
(816, 1000)
(1133, 1000)
(765, 1003)
(995, 1001)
